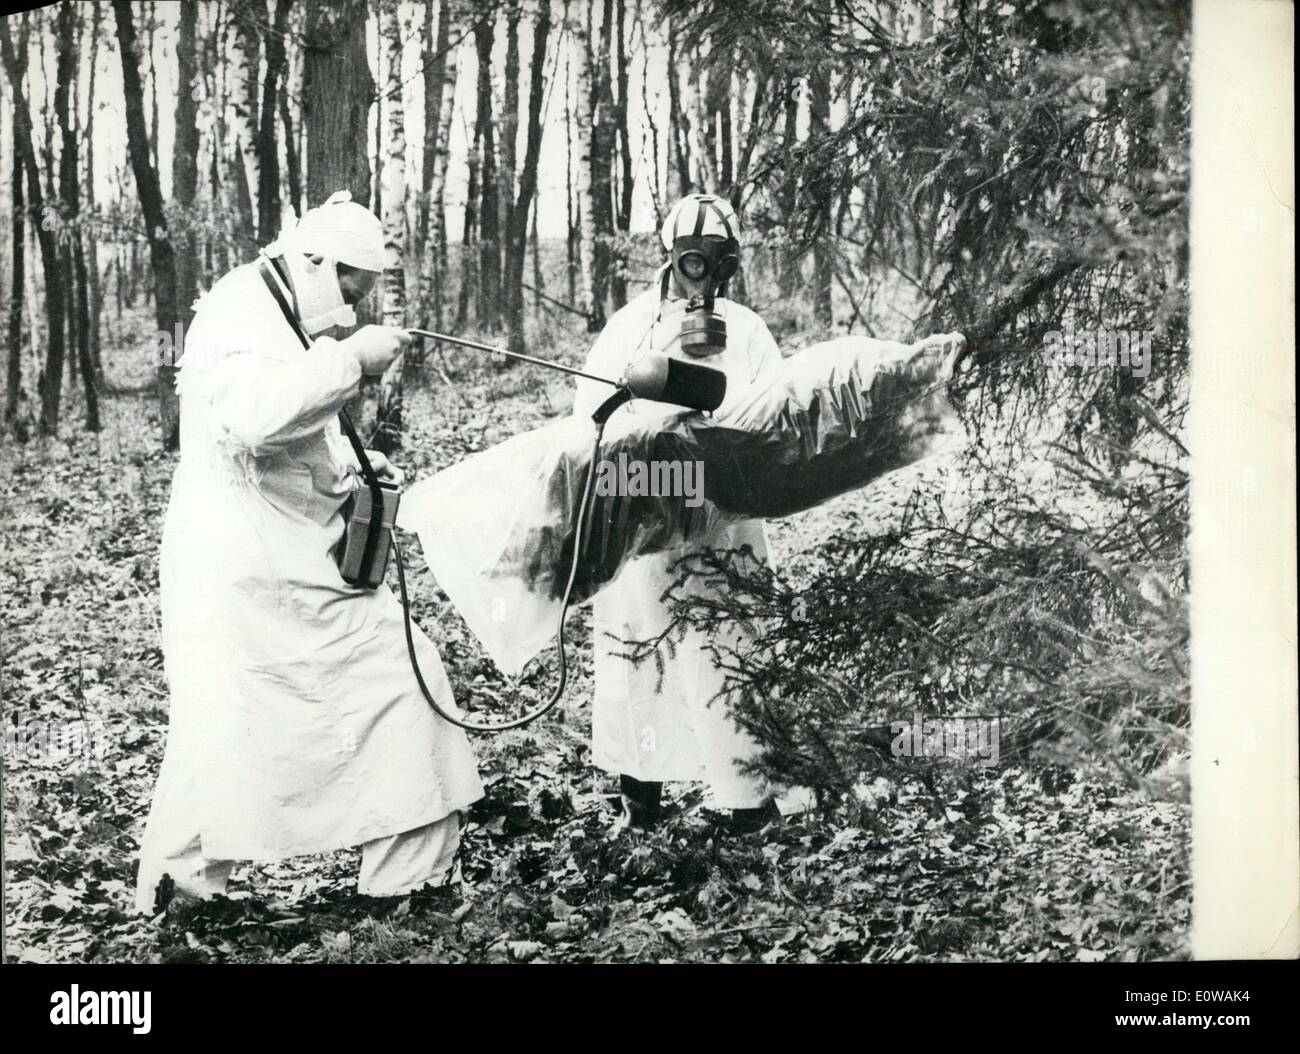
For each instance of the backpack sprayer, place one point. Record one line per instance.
(655, 377)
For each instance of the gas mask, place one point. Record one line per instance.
(704, 252)
(701, 267)
(320, 300)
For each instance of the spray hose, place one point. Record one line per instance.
(584, 510)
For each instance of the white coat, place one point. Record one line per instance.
(296, 724)
(674, 731)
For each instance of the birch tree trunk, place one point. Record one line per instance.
(680, 182)
(268, 152)
(389, 434)
(586, 221)
(243, 51)
(185, 153)
(439, 110)
(623, 214)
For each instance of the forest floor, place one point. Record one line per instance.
(1027, 865)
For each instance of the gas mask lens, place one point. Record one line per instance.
(693, 265)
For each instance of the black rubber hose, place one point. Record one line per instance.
(477, 726)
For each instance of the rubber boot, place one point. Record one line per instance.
(641, 802)
(747, 821)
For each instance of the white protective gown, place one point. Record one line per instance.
(640, 728)
(296, 723)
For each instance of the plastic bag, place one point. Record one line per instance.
(498, 528)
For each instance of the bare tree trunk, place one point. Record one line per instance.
(819, 81)
(377, 185)
(268, 152)
(439, 101)
(294, 174)
(185, 154)
(602, 161)
(161, 254)
(586, 298)
(679, 148)
(571, 227)
(517, 233)
(292, 154)
(26, 156)
(489, 241)
(69, 191)
(509, 140)
(65, 183)
(244, 56)
(15, 396)
(701, 136)
(623, 214)
(469, 233)
(789, 262)
(337, 92)
(52, 374)
(389, 433)
(648, 108)
(90, 240)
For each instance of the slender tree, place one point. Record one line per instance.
(268, 151)
(586, 299)
(15, 396)
(389, 433)
(602, 162)
(623, 209)
(90, 238)
(819, 84)
(245, 53)
(517, 234)
(74, 259)
(489, 224)
(440, 100)
(52, 377)
(161, 253)
(185, 157)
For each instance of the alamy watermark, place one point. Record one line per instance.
(634, 478)
(56, 742)
(964, 737)
(1089, 348)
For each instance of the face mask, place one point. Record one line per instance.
(701, 267)
(320, 300)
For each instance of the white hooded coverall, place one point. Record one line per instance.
(296, 725)
(677, 731)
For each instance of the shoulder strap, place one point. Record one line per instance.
(376, 527)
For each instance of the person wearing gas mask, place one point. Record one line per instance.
(645, 731)
(295, 723)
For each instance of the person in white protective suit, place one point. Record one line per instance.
(296, 725)
(645, 731)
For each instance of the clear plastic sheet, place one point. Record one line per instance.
(498, 528)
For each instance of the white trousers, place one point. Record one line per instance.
(390, 866)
